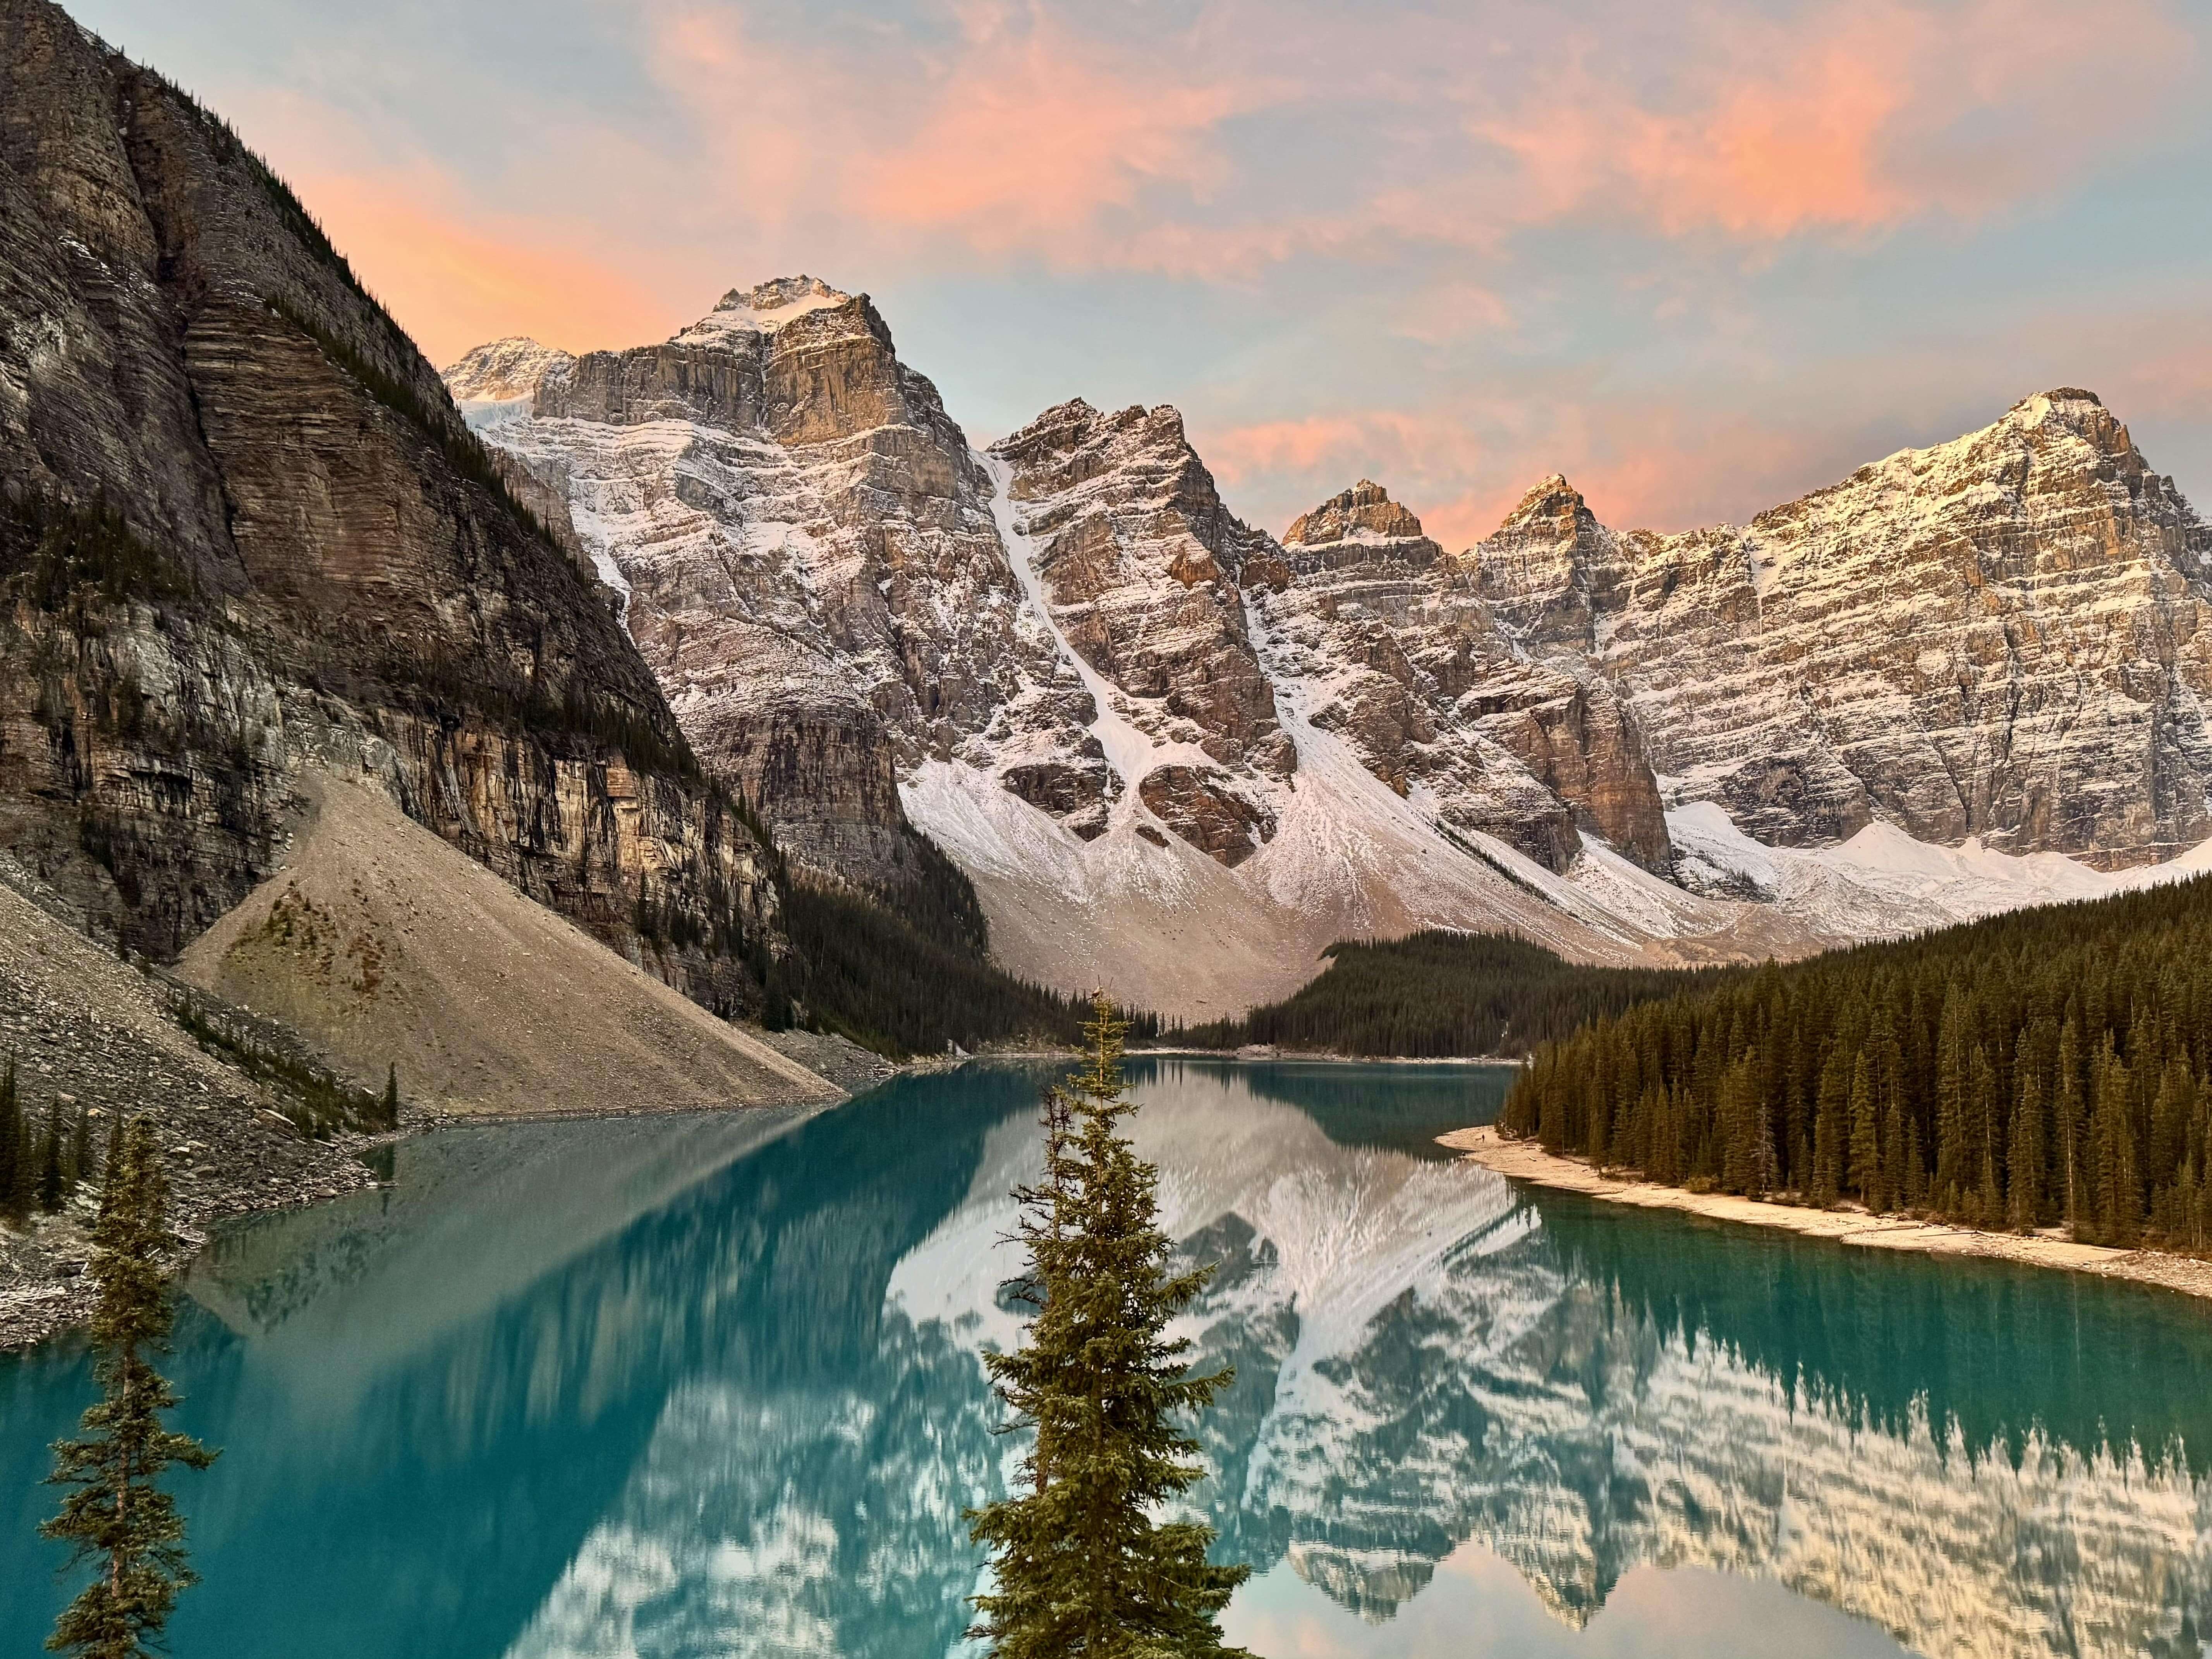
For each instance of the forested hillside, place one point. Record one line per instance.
(1440, 992)
(2042, 1068)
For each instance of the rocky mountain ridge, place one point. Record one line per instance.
(2001, 637)
(246, 535)
(1178, 755)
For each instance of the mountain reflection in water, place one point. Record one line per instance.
(709, 1385)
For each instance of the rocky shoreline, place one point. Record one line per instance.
(1524, 1160)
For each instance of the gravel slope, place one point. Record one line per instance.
(385, 945)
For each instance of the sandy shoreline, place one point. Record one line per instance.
(1250, 1053)
(1524, 1160)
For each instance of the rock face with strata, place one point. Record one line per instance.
(246, 533)
(1067, 660)
(1135, 561)
(1409, 663)
(804, 545)
(2003, 636)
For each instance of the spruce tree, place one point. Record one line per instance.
(116, 1514)
(2027, 1148)
(15, 1195)
(389, 1109)
(1081, 1568)
(49, 1162)
(80, 1159)
(2070, 1111)
(1866, 1137)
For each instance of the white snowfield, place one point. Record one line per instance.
(1368, 735)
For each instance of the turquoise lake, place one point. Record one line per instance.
(709, 1385)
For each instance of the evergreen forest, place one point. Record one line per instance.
(2045, 1068)
(1441, 994)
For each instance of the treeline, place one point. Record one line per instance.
(43, 1157)
(2048, 1067)
(906, 982)
(1441, 994)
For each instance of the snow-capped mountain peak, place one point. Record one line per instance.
(1178, 756)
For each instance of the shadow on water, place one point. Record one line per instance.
(1996, 1349)
(711, 1384)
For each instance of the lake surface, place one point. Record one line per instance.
(709, 1385)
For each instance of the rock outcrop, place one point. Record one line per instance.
(804, 545)
(2001, 637)
(245, 531)
(1410, 665)
(1177, 755)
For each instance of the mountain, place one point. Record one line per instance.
(246, 535)
(1178, 756)
(2003, 637)
(802, 543)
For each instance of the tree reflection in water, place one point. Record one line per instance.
(708, 1385)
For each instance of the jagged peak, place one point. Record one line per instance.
(781, 294)
(503, 368)
(766, 307)
(1365, 507)
(1065, 425)
(1061, 424)
(1551, 499)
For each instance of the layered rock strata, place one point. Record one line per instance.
(247, 531)
(2001, 637)
(1410, 666)
(804, 545)
(1139, 725)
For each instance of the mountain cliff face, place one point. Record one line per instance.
(1177, 757)
(2001, 637)
(804, 545)
(246, 533)
(1412, 666)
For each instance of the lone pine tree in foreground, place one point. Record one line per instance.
(1080, 1566)
(115, 1514)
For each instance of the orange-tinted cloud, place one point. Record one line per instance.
(1851, 118)
(453, 280)
(1015, 136)
(1029, 138)
(1462, 468)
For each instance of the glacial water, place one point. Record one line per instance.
(709, 1385)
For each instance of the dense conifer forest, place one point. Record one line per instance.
(2049, 1067)
(1440, 993)
(907, 984)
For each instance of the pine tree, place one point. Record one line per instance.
(81, 1148)
(15, 1195)
(2071, 1117)
(49, 1162)
(115, 1513)
(389, 1112)
(1866, 1137)
(2027, 1149)
(1080, 1567)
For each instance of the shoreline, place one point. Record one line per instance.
(1523, 1160)
(1252, 1052)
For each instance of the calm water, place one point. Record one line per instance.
(709, 1385)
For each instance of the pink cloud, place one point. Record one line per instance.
(1857, 118)
(1018, 137)
(1461, 468)
(454, 278)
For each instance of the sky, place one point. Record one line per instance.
(1699, 258)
